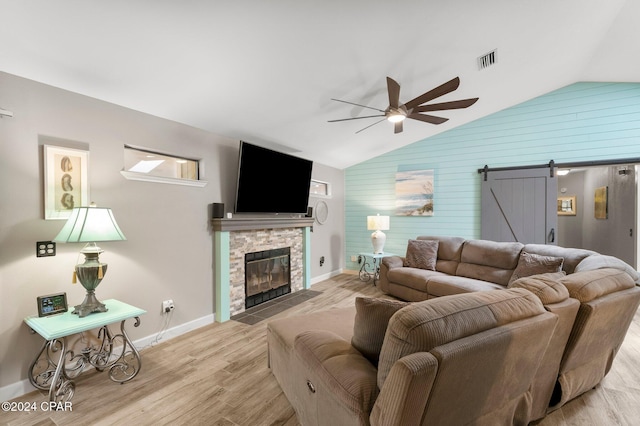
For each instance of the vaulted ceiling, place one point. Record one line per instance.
(265, 71)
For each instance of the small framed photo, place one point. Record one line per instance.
(66, 181)
(567, 206)
(52, 304)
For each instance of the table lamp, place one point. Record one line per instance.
(378, 238)
(90, 225)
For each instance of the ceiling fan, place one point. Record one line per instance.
(397, 112)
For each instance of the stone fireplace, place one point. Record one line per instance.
(237, 237)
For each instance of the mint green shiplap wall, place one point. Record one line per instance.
(580, 122)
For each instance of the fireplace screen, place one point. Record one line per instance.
(267, 275)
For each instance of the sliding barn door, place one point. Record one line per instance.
(519, 205)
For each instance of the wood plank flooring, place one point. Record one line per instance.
(217, 375)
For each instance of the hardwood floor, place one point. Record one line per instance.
(218, 375)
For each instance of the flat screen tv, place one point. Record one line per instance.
(271, 182)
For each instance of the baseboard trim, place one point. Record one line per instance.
(23, 387)
(172, 332)
(327, 276)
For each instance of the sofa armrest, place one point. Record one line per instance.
(405, 392)
(393, 262)
(338, 375)
(590, 285)
(386, 264)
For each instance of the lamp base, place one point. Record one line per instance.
(89, 305)
(90, 273)
(378, 238)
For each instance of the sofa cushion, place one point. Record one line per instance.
(422, 254)
(339, 320)
(572, 256)
(589, 285)
(412, 277)
(532, 264)
(489, 260)
(370, 325)
(422, 326)
(446, 285)
(449, 251)
(546, 286)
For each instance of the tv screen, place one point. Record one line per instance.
(271, 182)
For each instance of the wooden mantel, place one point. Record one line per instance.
(224, 227)
(250, 223)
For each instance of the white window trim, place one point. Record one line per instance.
(327, 195)
(159, 179)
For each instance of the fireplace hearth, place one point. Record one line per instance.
(267, 275)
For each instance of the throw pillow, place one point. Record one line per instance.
(422, 254)
(370, 325)
(533, 264)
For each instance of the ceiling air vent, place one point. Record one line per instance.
(485, 61)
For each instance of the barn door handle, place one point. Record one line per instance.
(552, 235)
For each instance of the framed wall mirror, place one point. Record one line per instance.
(567, 206)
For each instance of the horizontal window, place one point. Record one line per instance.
(142, 164)
(320, 189)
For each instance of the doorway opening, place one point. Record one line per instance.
(594, 206)
(603, 215)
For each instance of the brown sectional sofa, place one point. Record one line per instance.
(595, 307)
(445, 361)
(466, 265)
(330, 378)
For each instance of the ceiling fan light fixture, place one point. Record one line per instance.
(396, 118)
(397, 112)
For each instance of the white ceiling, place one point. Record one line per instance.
(265, 71)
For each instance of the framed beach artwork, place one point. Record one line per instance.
(414, 192)
(66, 182)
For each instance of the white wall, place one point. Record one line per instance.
(168, 252)
(327, 239)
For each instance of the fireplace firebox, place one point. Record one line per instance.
(267, 275)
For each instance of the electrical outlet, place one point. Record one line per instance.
(167, 306)
(45, 248)
(321, 260)
(354, 258)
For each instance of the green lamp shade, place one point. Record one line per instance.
(90, 224)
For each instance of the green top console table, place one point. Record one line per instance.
(365, 274)
(115, 353)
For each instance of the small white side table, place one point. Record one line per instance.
(367, 271)
(116, 352)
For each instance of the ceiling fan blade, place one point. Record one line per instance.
(379, 121)
(427, 118)
(397, 127)
(393, 88)
(354, 118)
(463, 103)
(441, 90)
(351, 103)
